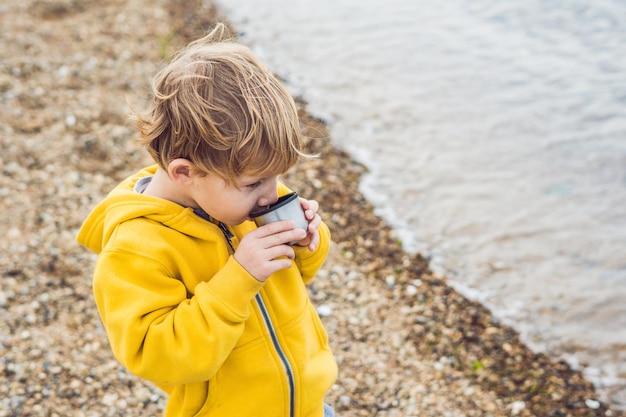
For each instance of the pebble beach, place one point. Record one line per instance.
(407, 344)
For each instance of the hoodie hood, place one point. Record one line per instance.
(124, 204)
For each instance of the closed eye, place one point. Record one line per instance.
(255, 184)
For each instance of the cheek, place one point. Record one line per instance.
(243, 203)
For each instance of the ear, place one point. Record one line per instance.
(179, 170)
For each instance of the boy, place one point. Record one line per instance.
(193, 296)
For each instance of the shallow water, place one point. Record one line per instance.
(499, 129)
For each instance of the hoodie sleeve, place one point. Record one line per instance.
(157, 330)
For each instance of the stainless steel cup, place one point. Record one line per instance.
(286, 208)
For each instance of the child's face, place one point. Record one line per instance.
(232, 204)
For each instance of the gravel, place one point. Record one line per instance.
(407, 344)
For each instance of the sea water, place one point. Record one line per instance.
(500, 127)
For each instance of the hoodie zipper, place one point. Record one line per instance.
(270, 329)
(279, 351)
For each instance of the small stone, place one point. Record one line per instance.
(109, 399)
(31, 318)
(14, 233)
(63, 71)
(70, 120)
(324, 310)
(12, 167)
(593, 404)
(391, 281)
(517, 407)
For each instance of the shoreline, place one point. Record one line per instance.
(407, 343)
(446, 328)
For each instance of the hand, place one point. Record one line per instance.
(262, 251)
(312, 239)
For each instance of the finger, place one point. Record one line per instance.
(304, 242)
(315, 240)
(284, 238)
(310, 207)
(277, 253)
(282, 263)
(274, 228)
(314, 224)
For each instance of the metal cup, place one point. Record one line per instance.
(286, 208)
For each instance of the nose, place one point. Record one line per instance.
(269, 196)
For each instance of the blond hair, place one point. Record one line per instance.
(216, 105)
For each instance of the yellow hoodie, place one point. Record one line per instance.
(181, 312)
